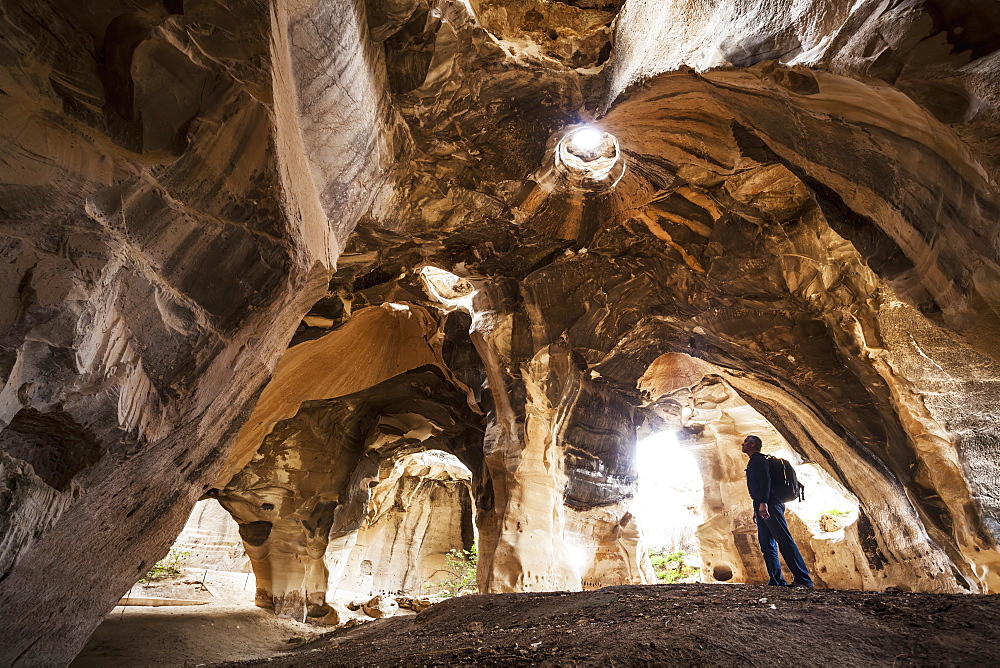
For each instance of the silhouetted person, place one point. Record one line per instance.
(769, 514)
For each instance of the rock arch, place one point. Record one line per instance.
(808, 205)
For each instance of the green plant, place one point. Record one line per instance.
(835, 513)
(669, 567)
(460, 573)
(166, 567)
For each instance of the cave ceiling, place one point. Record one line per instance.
(797, 222)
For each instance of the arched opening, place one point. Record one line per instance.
(830, 526)
(811, 208)
(668, 506)
(452, 291)
(418, 536)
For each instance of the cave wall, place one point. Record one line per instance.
(772, 219)
(608, 545)
(156, 265)
(312, 479)
(557, 447)
(211, 539)
(887, 545)
(418, 513)
(805, 201)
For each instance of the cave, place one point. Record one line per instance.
(384, 279)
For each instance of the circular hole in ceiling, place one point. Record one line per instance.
(591, 156)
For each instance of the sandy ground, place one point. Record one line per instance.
(228, 628)
(189, 636)
(691, 624)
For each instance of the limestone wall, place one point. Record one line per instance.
(211, 539)
(417, 515)
(804, 200)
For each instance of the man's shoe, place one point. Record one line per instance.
(803, 585)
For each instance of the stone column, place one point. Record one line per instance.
(521, 539)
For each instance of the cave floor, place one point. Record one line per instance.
(675, 624)
(655, 624)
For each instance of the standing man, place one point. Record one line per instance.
(769, 514)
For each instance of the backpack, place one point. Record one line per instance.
(785, 485)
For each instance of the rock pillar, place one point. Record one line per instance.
(521, 539)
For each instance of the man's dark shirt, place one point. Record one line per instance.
(759, 480)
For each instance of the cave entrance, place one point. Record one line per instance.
(667, 506)
(452, 291)
(418, 538)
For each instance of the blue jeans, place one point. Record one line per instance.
(773, 535)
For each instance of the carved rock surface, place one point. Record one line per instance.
(799, 238)
(211, 539)
(311, 480)
(421, 510)
(163, 234)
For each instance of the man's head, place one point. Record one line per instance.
(751, 444)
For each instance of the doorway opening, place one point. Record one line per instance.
(667, 506)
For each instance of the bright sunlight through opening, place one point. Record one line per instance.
(590, 157)
(447, 288)
(827, 508)
(586, 138)
(667, 505)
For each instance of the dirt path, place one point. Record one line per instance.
(228, 628)
(677, 625)
(656, 624)
(188, 636)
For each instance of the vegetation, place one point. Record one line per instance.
(669, 566)
(166, 567)
(460, 573)
(835, 513)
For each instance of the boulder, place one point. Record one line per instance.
(830, 523)
(380, 607)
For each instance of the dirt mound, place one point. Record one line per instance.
(676, 624)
